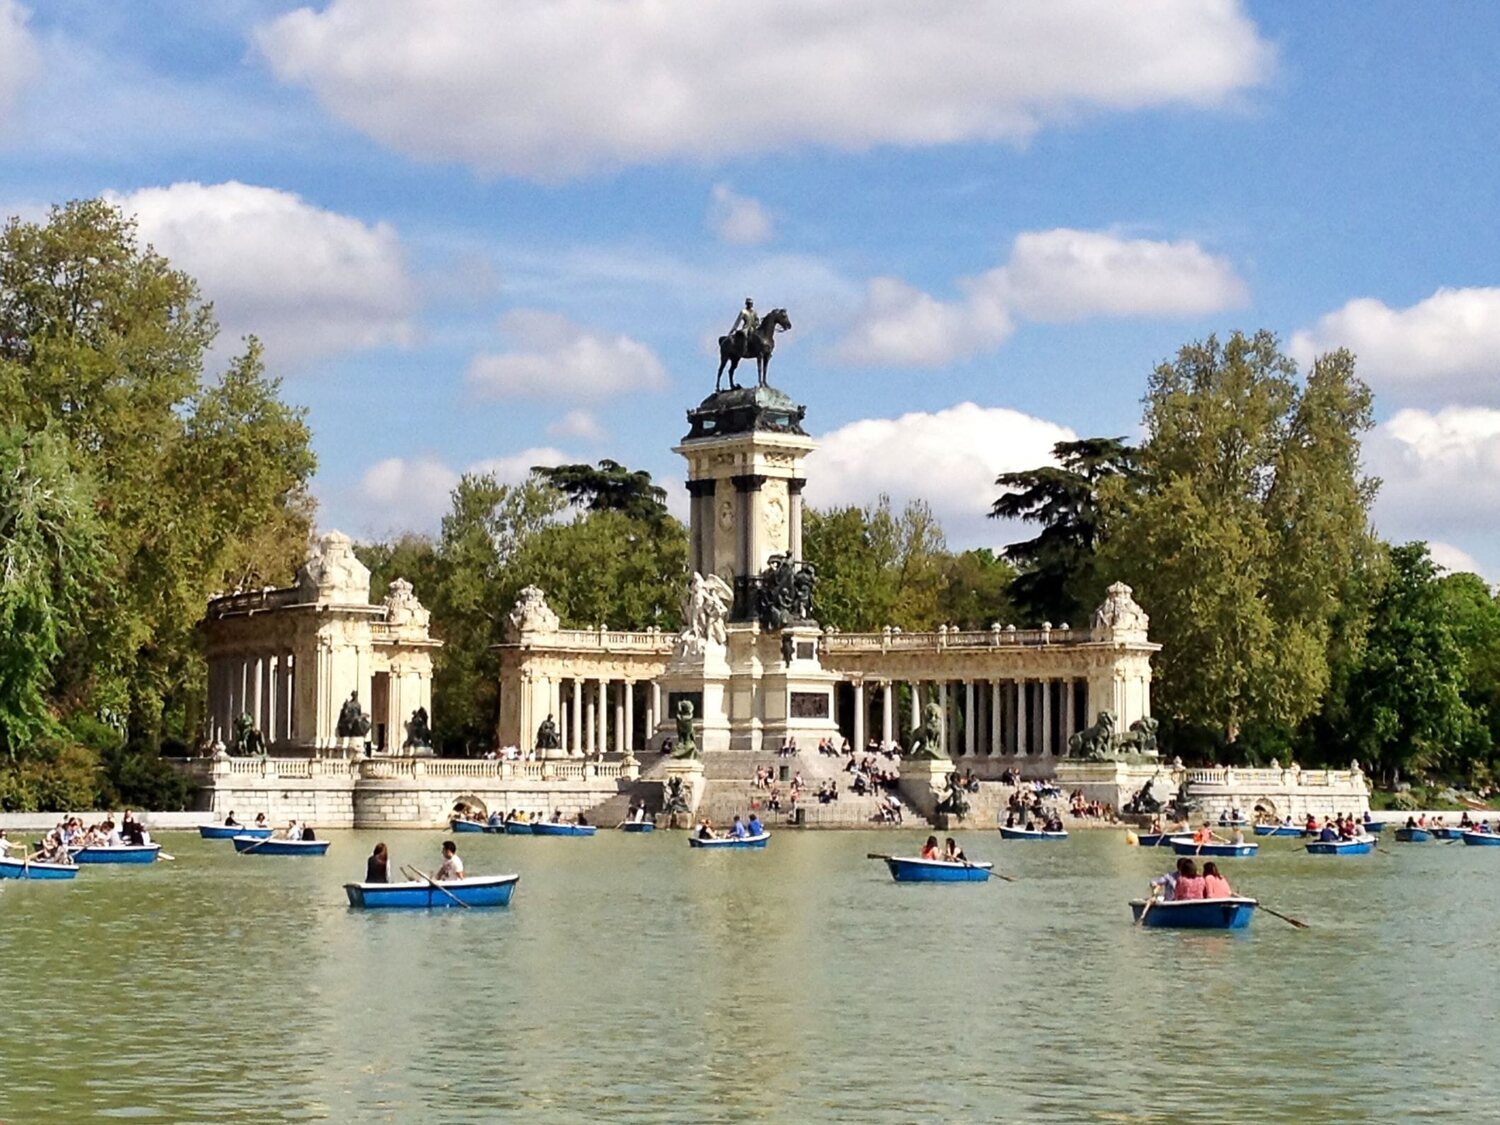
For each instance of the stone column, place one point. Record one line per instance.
(629, 746)
(1046, 686)
(997, 727)
(255, 691)
(701, 519)
(590, 727)
(284, 699)
(971, 719)
(888, 713)
(575, 732)
(603, 743)
(1069, 717)
(859, 716)
(622, 717)
(942, 700)
(915, 691)
(794, 488)
(1023, 732)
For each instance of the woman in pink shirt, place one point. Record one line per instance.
(1189, 882)
(1214, 884)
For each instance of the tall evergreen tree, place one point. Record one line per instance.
(608, 487)
(1058, 579)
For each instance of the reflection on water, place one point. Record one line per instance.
(635, 980)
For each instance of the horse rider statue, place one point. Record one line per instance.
(747, 324)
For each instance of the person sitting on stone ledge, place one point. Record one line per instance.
(773, 802)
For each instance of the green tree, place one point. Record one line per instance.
(976, 590)
(609, 487)
(877, 567)
(1245, 531)
(51, 556)
(1405, 705)
(1058, 579)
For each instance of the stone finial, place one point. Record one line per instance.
(333, 573)
(402, 606)
(1120, 613)
(532, 614)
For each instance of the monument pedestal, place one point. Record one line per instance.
(702, 677)
(690, 772)
(795, 693)
(923, 783)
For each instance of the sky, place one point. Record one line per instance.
(491, 234)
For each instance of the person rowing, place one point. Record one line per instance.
(378, 866)
(755, 826)
(737, 830)
(230, 822)
(952, 853)
(452, 868)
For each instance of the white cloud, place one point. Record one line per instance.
(546, 90)
(412, 493)
(308, 282)
(738, 219)
(577, 424)
(560, 359)
(18, 56)
(1074, 274)
(950, 458)
(1453, 559)
(1440, 475)
(1054, 275)
(1448, 343)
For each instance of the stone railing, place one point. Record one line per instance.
(892, 640)
(652, 641)
(254, 601)
(1254, 778)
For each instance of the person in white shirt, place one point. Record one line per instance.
(453, 867)
(293, 830)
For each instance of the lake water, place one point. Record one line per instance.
(635, 980)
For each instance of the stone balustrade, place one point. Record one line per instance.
(893, 640)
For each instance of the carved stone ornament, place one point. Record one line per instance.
(402, 606)
(532, 614)
(1120, 612)
(705, 608)
(332, 572)
(775, 515)
(726, 514)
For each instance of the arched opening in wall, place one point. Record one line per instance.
(469, 805)
(1265, 809)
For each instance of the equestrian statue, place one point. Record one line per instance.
(752, 337)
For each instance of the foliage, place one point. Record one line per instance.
(609, 487)
(1244, 531)
(150, 485)
(875, 567)
(976, 590)
(1058, 579)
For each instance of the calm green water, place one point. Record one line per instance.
(634, 980)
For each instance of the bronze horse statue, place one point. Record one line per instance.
(757, 345)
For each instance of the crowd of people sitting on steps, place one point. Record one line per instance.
(1030, 812)
(1085, 809)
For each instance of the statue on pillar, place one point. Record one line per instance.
(247, 740)
(546, 735)
(419, 730)
(705, 608)
(686, 745)
(352, 721)
(927, 739)
(752, 337)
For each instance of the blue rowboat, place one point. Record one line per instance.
(910, 869)
(1278, 830)
(731, 842)
(1482, 839)
(123, 853)
(1447, 833)
(1196, 913)
(457, 825)
(545, 829)
(1374, 827)
(1183, 845)
(479, 890)
(249, 845)
(1360, 845)
(19, 869)
(1030, 834)
(1413, 835)
(230, 831)
(638, 826)
(1155, 839)
(518, 828)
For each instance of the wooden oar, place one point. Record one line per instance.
(431, 882)
(1284, 917)
(255, 845)
(165, 856)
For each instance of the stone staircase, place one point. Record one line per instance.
(730, 791)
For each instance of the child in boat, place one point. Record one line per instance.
(930, 849)
(1214, 884)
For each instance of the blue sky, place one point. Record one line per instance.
(495, 233)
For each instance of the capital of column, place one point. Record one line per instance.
(701, 487)
(749, 482)
(795, 485)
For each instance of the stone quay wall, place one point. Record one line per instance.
(1277, 793)
(396, 792)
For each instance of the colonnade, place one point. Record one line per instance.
(263, 687)
(1031, 717)
(593, 714)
